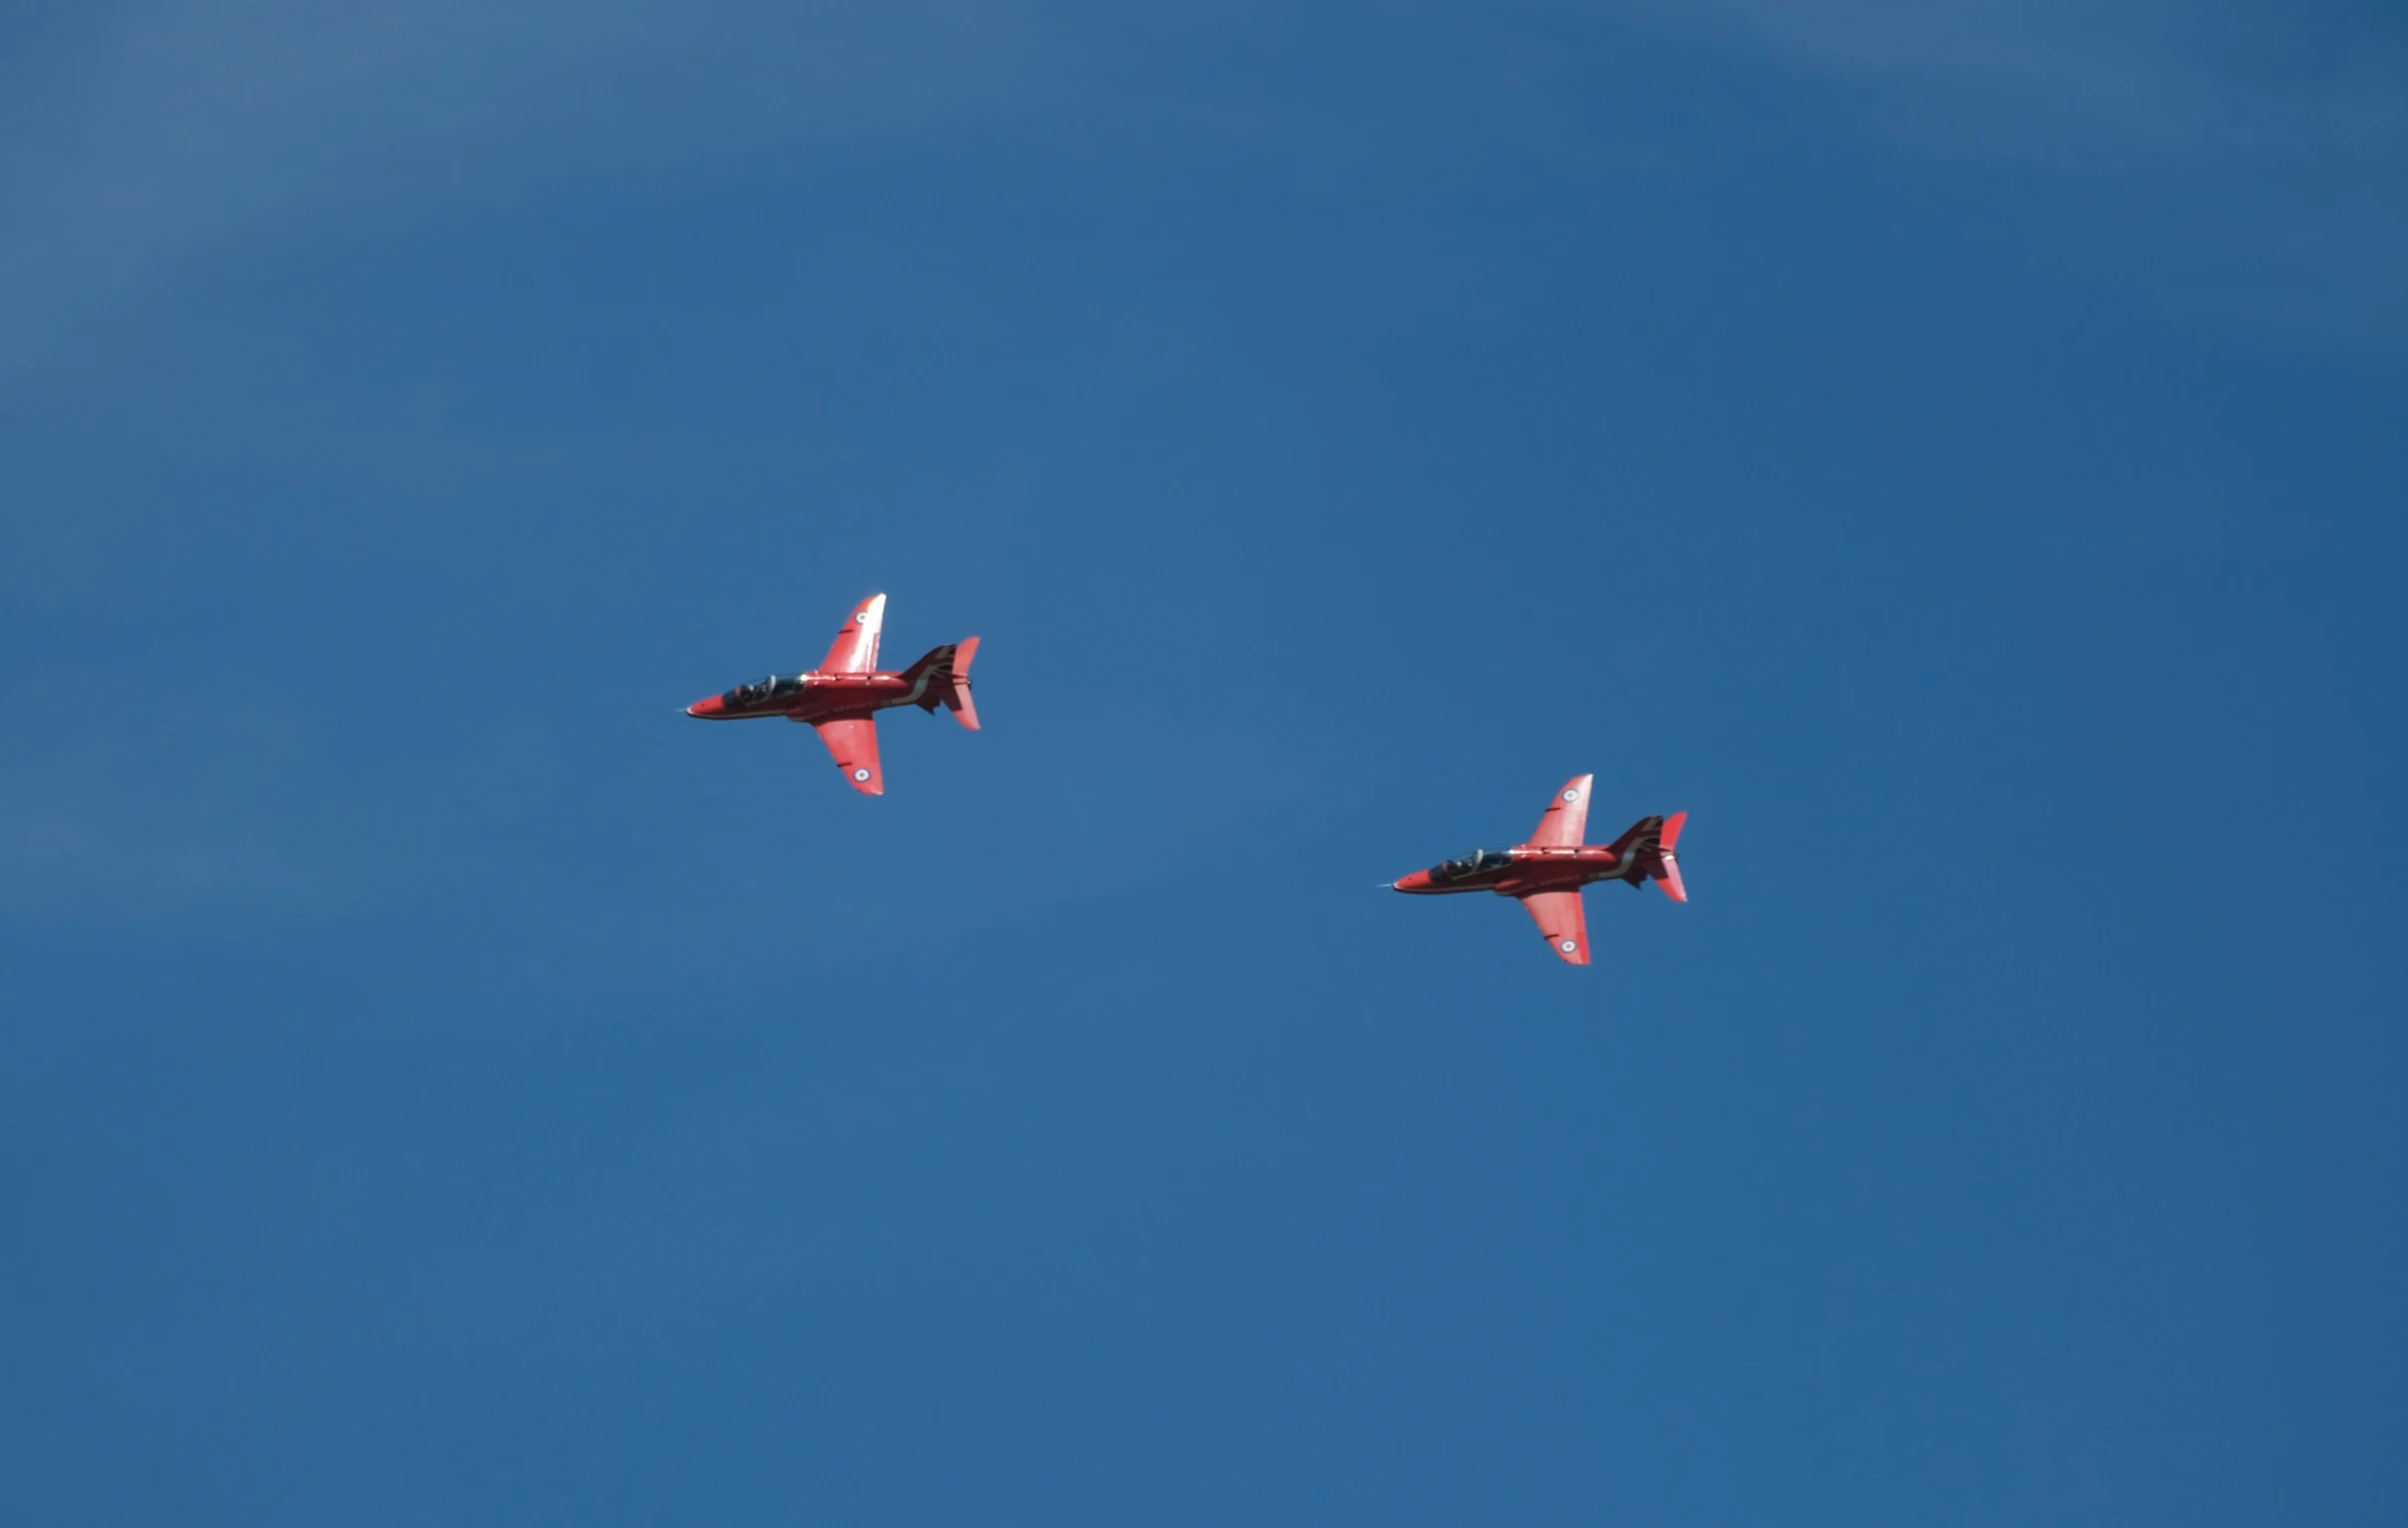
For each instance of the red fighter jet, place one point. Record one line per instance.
(1547, 872)
(843, 695)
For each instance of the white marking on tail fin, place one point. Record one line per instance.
(1666, 872)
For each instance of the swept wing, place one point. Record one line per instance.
(1565, 821)
(856, 649)
(1561, 917)
(854, 743)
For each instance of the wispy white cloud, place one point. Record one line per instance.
(2042, 76)
(2259, 151)
(228, 809)
(147, 131)
(138, 135)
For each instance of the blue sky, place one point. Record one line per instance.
(1953, 452)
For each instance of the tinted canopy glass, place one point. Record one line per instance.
(768, 688)
(1473, 864)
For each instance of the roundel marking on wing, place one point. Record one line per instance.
(1571, 795)
(1569, 946)
(860, 617)
(861, 775)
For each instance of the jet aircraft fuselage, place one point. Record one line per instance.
(1545, 875)
(812, 697)
(843, 696)
(1514, 871)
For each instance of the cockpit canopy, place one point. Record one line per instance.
(766, 688)
(1478, 861)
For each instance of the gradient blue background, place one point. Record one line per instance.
(1954, 452)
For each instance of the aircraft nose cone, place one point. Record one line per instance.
(709, 706)
(1418, 880)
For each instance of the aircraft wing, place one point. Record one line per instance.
(854, 741)
(1565, 821)
(856, 649)
(1560, 916)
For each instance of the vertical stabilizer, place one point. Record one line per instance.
(942, 678)
(1665, 872)
(957, 693)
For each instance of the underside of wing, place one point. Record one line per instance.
(1560, 916)
(1565, 821)
(854, 743)
(856, 648)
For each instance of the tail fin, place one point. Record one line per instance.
(1650, 842)
(943, 675)
(957, 696)
(1666, 872)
